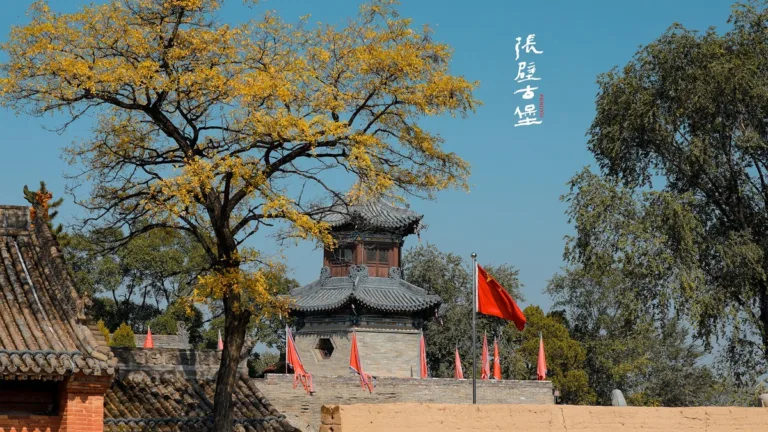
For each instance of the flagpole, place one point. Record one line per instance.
(474, 328)
(286, 349)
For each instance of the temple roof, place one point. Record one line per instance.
(372, 214)
(385, 294)
(174, 402)
(43, 330)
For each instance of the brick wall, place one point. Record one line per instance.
(530, 418)
(382, 352)
(305, 409)
(82, 404)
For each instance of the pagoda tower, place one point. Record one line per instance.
(361, 288)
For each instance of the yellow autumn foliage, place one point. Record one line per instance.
(222, 130)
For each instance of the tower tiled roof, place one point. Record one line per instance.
(372, 214)
(43, 331)
(174, 402)
(385, 294)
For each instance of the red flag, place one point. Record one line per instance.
(493, 299)
(357, 367)
(220, 345)
(148, 342)
(485, 368)
(458, 372)
(300, 375)
(496, 361)
(422, 359)
(541, 367)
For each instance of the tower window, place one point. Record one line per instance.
(377, 255)
(343, 255)
(324, 347)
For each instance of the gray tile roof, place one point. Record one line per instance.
(385, 294)
(375, 214)
(173, 402)
(42, 322)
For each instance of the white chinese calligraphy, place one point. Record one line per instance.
(527, 117)
(526, 71)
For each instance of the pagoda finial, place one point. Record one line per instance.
(39, 200)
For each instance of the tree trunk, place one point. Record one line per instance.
(763, 302)
(235, 323)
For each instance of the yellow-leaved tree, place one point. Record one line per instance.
(221, 130)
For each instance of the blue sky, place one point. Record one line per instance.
(513, 213)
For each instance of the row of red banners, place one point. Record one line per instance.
(491, 299)
(485, 370)
(149, 342)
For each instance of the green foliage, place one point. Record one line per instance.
(113, 314)
(159, 266)
(630, 271)
(141, 278)
(104, 330)
(190, 315)
(259, 362)
(123, 337)
(565, 356)
(690, 109)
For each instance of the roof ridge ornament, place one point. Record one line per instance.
(357, 272)
(395, 273)
(325, 274)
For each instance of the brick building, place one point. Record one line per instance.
(57, 373)
(361, 289)
(53, 370)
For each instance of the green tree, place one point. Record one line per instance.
(625, 262)
(690, 109)
(565, 356)
(179, 311)
(123, 337)
(139, 281)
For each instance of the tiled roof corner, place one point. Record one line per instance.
(372, 214)
(390, 294)
(42, 326)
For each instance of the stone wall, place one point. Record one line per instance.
(165, 341)
(530, 418)
(304, 409)
(199, 363)
(393, 353)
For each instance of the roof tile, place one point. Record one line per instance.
(390, 294)
(174, 402)
(375, 214)
(41, 325)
